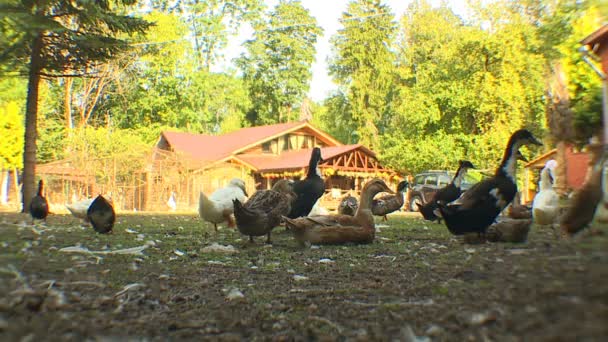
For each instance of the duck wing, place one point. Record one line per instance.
(269, 201)
(497, 191)
(478, 207)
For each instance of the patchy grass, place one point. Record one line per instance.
(415, 278)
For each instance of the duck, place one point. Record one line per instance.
(218, 207)
(318, 209)
(545, 206)
(479, 206)
(348, 205)
(387, 204)
(341, 229)
(79, 209)
(309, 189)
(518, 211)
(584, 201)
(446, 194)
(509, 230)
(263, 210)
(39, 206)
(101, 215)
(171, 202)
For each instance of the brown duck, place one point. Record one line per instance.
(340, 229)
(387, 204)
(263, 211)
(584, 202)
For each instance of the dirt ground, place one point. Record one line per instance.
(414, 283)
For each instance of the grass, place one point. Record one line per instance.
(415, 274)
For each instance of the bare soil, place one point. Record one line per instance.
(416, 281)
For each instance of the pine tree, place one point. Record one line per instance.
(59, 38)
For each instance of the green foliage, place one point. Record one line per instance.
(335, 118)
(73, 36)
(363, 66)
(166, 87)
(102, 151)
(584, 85)
(277, 65)
(213, 21)
(11, 131)
(463, 89)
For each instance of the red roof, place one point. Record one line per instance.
(295, 159)
(212, 148)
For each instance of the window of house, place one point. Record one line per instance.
(266, 147)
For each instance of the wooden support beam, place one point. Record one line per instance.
(350, 159)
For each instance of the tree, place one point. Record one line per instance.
(573, 90)
(335, 118)
(277, 64)
(462, 88)
(212, 21)
(49, 39)
(363, 64)
(12, 91)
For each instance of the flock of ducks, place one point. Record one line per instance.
(98, 211)
(291, 202)
(477, 208)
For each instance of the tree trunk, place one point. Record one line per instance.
(31, 121)
(67, 104)
(4, 187)
(560, 122)
(561, 180)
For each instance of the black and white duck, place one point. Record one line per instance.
(387, 204)
(479, 206)
(101, 215)
(309, 189)
(264, 210)
(39, 206)
(447, 194)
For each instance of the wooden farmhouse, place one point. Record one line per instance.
(186, 163)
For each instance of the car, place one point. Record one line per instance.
(426, 184)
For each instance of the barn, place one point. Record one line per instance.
(259, 155)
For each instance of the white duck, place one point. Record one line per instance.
(218, 207)
(546, 203)
(79, 209)
(318, 209)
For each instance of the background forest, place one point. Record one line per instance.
(424, 89)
